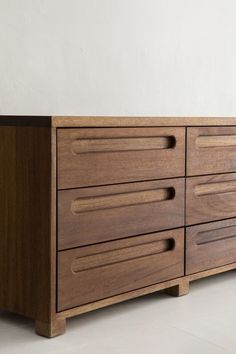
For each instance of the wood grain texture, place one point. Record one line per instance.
(54, 328)
(92, 273)
(88, 157)
(98, 214)
(117, 267)
(179, 290)
(144, 291)
(215, 141)
(90, 121)
(210, 245)
(114, 201)
(86, 146)
(115, 121)
(214, 188)
(118, 298)
(211, 150)
(210, 198)
(27, 268)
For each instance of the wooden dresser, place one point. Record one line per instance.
(98, 210)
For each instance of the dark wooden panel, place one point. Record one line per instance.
(210, 245)
(210, 198)
(102, 156)
(97, 214)
(211, 150)
(27, 222)
(96, 272)
(25, 121)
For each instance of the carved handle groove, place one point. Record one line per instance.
(121, 255)
(83, 205)
(82, 146)
(212, 141)
(210, 236)
(215, 188)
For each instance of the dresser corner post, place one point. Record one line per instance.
(53, 328)
(49, 325)
(179, 290)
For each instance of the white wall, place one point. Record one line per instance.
(118, 57)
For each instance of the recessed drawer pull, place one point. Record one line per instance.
(215, 188)
(210, 245)
(211, 150)
(121, 255)
(94, 215)
(210, 198)
(212, 141)
(95, 272)
(81, 146)
(91, 157)
(82, 205)
(215, 235)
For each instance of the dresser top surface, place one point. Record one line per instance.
(115, 121)
(140, 121)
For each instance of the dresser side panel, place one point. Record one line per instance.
(26, 250)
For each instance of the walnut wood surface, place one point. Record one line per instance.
(182, 281)
(211, 150)
(73, 121)
(88, 157)
(98, 214)
(179, 290)
(210, 245)
(51, 329)
(116, 267)
(210, 198)
(115, 121)
(27, 268)
(96, 272)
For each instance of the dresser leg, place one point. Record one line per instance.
(179, 290)
(51, 329)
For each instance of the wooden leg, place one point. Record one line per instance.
(51, 329)
(179, 290)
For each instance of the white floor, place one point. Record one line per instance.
(202, 322)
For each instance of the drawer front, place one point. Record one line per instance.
(210, 198)
(96, 272)
(210, 245)
(98, 214)
(211, 150)
(99, 156)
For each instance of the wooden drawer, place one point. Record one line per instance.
(99, 156)
(210, 198)
(95, 272)
(211, 150)
(98, 214)
(210, 245)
